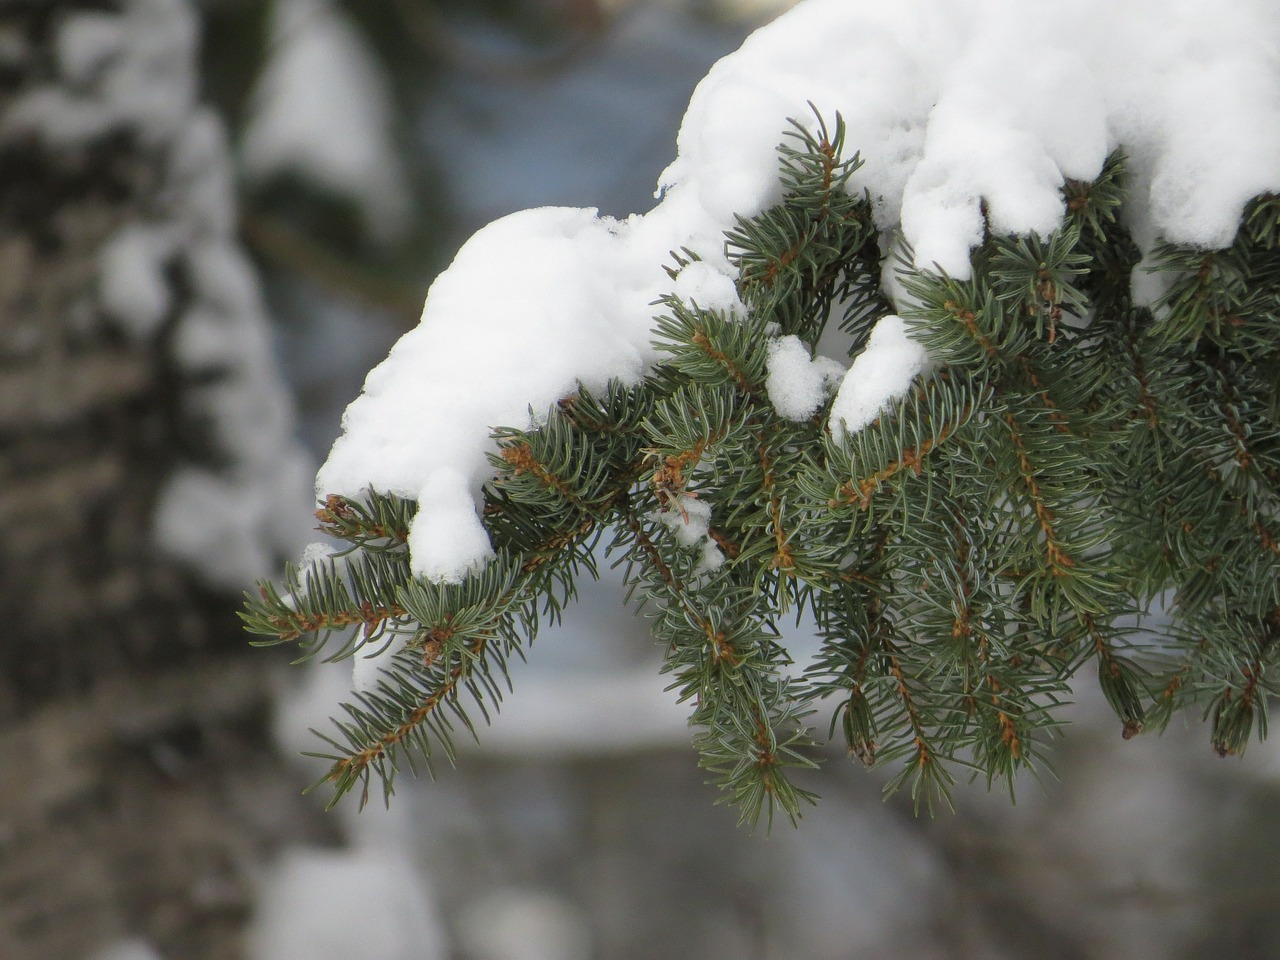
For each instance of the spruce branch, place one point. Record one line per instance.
(1076, 480)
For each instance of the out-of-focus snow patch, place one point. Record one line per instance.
(202, 518)
(323, 109)
(524, 925)
(131, 949)
(132, 70)
(370, 902)
(798, 384)
(232, 523)
(587, 714)
(882, 372)
(132, 287)
(859, 879)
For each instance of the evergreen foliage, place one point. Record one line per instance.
(1070, 459)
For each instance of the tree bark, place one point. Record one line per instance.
(140, 790)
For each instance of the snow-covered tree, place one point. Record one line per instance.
(142, 422)
(978, 372)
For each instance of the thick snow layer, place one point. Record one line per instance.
(955, 108)
(533, 304)
(323, 109)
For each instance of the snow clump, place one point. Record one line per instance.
(798, 384)
(955, 108)
(690, 519)
(880, 374)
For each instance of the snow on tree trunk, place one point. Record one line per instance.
(134, 368)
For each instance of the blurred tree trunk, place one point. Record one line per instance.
(139, 790)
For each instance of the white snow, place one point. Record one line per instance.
(135, 72)
(86, 44)
(371, 902)
(132, 287)
(953, 107)
(881, 373)
(566, 297)
(130, 949)
(708, 286)
(690, 518)
(131, 71)
(799, 384)
(514, 924)
(323, 109)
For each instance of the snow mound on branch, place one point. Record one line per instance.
(957, 110)
(533, 305)
(881, 373)
(799, 384)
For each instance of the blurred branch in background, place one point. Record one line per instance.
(283, 246)
(582, 21)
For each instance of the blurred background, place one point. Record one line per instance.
(215, 217)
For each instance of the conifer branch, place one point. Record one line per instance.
(1070, 459)
(858, 492)
(346, 771)
(1057, 559)
(385, 518)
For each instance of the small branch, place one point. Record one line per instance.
(968, 318)
(356, 765)
(859, 492)
(1055, 415)
(545, 552)
(924, 752)
(341, 518)
(649, 548)
(782, 556)
(703, 342)
(1144, 388)
(1059, 560)
(292, 625)
(520, 457)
